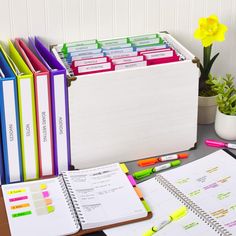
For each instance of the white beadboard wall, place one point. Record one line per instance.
(58, 21)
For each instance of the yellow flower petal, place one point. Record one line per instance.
(214, 17)
(207, 41)
(210, 30)
(198, 34)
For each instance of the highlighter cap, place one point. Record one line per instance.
(175, 163)
(181, 212)
(183, 155)
(148, 162)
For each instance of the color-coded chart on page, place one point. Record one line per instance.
(37, 208)
(32, 198)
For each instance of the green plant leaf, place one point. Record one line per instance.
(209, 65)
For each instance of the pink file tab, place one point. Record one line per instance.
(131, 180)
(18, 198)
(45, 194)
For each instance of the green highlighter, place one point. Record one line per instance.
(144, 173)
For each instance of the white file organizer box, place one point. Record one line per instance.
(137, 113)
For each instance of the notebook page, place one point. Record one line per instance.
(38, 208)
(210, 183)
(162, 204)
(105, 196)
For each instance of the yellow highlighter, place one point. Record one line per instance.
(176, 215)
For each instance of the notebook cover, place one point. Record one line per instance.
(1, 161)
(9, 76)
(55, 68)
(38, 69)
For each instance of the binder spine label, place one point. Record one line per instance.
(60, 118)
(44, 125)
(28, 134)
(11, 131)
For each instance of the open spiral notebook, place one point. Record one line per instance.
(80, 201)
(206, 187)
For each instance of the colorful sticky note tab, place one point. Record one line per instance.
(131, 180)
(138, 191)
(124, 168)
(20, 206)
(18, 198)
(19, 214)
(45, 194)
(15, 191)
(43, 186)
(51, 209)
(48, 201)
(147, 207)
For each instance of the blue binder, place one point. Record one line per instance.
(9, 122)
(2, 180)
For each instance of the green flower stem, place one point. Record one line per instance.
(206, 56)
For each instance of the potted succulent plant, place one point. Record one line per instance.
(225, 122)
(209, 31)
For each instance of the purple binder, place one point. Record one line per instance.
(60, 105)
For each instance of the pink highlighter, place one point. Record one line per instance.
(219, 144)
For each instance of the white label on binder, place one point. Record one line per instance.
(158, 55)
(124, 54)
(143, 37)
(87, 56)
(95, 67)
(151, 48)
(118, 51)
(153, 51)
(90, 61)
(131, 65)
(44, 125)
(118, 46)
(28, 128)
(82, 47)
(146, 42)
(127, 60)
(61, 129)
(11, 129)
(85, 52)
(113, 42)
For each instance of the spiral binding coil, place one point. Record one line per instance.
(74, 200)
(63, 183)
(204, 216)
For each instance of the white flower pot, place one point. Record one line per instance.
(206, 109)
(225, 126)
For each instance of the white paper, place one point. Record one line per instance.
(58, 222)
(210, 183)
(105, 196)
(162, 204)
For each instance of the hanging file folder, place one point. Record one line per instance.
(9, 111)
(26, 101)
(60, 107)
(43, 109)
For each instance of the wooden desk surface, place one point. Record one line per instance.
(4, 227)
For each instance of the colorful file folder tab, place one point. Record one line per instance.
(93, 56)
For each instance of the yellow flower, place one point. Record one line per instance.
(210, 30)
